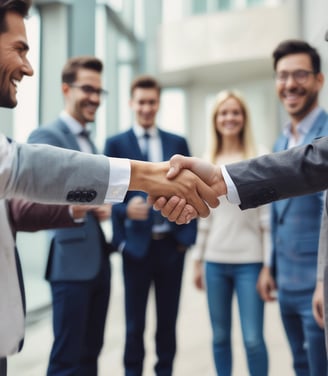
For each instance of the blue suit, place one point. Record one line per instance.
(79, 273)
(148, 261)
(295, 236)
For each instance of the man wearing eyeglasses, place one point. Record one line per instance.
(296, 221)
(78, 265)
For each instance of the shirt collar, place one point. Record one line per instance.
(140, 131)
(74, 126)
(305, 125)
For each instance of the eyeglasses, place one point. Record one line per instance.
(89, 90)
(300, 76)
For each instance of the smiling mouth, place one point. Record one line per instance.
(15, 81)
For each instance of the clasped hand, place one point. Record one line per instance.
(182, 210)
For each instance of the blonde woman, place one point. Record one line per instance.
(231, 246)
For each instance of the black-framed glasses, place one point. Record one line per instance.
(89, 90)
(300, 76)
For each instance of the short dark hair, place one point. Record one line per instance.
(294, 46)
(18, 6)
(145, 82)
(73, 64)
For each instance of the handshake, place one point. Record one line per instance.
(182, 189)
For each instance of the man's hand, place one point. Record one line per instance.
(318, 304)
(78, 212)
(102, 212)
(137, 209)
(174, 208)
(266, 285)
(151, 178)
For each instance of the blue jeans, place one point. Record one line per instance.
(221, 281)
(306, 339)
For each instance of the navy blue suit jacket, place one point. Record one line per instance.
(136, 235)
(296, 226)
(75, 253)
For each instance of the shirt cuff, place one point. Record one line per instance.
(76, 220)
(119, 179)
(232, 193)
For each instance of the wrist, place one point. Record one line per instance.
(145, 175)
(75, 219)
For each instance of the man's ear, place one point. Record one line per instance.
(321, 79)
(65, 88)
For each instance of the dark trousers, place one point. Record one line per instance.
(162, 267)
(79, 315)
(3, 366)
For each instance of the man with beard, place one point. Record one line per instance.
(295, 222)
(78, 266)
(48, 174)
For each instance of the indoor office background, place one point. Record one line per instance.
(195, 47)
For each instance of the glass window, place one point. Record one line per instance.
(251, 3)
(124, 81)
(199, 6)
(139, 22)
(116, 5)
(224, 4)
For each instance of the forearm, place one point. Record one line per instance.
(148, 177)
(30, 216)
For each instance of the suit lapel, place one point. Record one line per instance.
(315, 131)
(281, 206)
(166, 145)
(69, 140)
(132, 146)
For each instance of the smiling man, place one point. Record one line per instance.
(295, 222)
(78, 266)
(153, 249)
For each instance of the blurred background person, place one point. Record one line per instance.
(295, 222)
(231, 246)
(78, 266)
(153, 248)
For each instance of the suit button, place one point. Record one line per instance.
(77, 195)
(83, 196)
(91, 195)
(70, 196)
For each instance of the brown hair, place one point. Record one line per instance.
(72, 66)
(18, 6)
(295, 46)
(145, 82)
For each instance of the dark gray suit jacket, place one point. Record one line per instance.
(297, 171)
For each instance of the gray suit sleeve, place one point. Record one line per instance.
(297, 171)
(48, 174)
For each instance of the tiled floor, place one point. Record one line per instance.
(194, 347)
